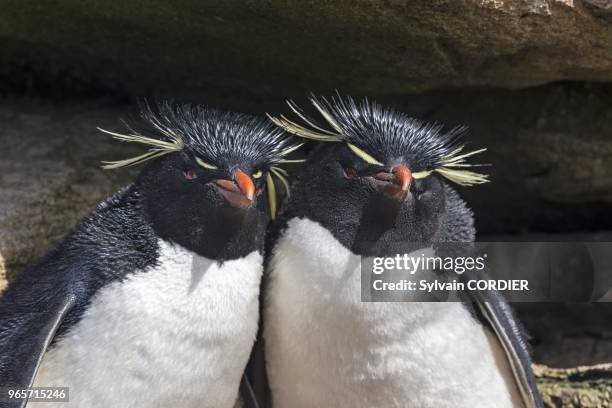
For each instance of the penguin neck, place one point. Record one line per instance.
(363, 232)
(215, 233)
(369, 231)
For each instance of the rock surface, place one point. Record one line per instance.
(50, 174)
(281, 47)
(585, 386)
(568, 335)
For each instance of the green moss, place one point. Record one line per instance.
(585, 387)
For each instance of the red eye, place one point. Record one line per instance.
(190, 174)
(350, 173)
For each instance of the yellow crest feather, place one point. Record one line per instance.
(278, 173)
(448, 167)
(421, 174)
(363, 155)
(271, 196)
(158, 147)
(299, 130)
(463, 177)
(207, 166)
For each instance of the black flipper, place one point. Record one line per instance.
(489, 307)
(27, 332)
(247, 394)
(494, 312)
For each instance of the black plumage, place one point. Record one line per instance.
(386, 133)
(217, 136)
(383, 136)
(113, 242)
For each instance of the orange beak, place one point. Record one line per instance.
(396, 183)
(245, 184)
(238, 192)
(403, 177)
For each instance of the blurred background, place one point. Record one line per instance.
(532, 79)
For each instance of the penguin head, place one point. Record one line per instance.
(378, 177)
(207, 184)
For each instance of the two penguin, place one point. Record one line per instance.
(153, 300)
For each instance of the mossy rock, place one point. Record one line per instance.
(584, 387)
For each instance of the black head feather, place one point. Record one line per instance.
(387, 134)
(383, 136)
(217, 136)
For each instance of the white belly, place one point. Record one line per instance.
(325, 348)
(179, 334)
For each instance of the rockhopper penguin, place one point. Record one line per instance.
(152, 301)
(379, 180)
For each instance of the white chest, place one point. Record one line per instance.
(178, 334)
(325, 348)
